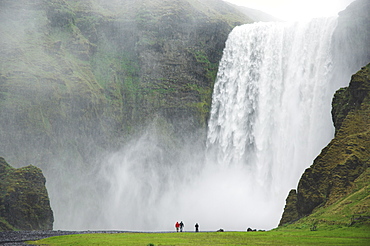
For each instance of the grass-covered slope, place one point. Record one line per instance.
(335, 189)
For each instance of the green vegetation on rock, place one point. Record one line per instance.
(24, 201)
(335, 189)
(82, 78)
(98, 71)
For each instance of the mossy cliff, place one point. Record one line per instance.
(335, 189)
(80, 77)
(24, 201)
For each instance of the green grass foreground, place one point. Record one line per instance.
(340, 236)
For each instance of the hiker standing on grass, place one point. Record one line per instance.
(181, 226)
(177, 225)
(196, 227)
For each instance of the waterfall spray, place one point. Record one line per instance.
(270, 118)
(271, 108)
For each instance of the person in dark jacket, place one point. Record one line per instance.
(181, 226)
(196, 227)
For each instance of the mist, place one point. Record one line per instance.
(124, 139)
(142, 187)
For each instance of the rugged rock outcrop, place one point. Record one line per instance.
(347, 156)
(24, 201)
(290, 210)
(350, 98)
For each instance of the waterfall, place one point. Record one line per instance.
(271, 107)
(270, 118)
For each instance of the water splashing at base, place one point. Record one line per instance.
(270, 118)
(271, 107)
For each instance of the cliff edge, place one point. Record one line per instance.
(339, 177)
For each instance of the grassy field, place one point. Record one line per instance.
(338, 236)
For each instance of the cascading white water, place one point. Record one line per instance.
(271, 107)
(270, 118)
(272, 99)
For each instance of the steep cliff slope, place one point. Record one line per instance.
(77, 77)
(24, 201)
(335, 189)
(82, 78)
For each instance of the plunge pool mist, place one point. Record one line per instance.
(270, 118)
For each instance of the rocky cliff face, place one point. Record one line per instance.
(82, 76)
(346, 159)
(24, 201)
(342, 166)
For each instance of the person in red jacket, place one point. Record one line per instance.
(177, 225)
